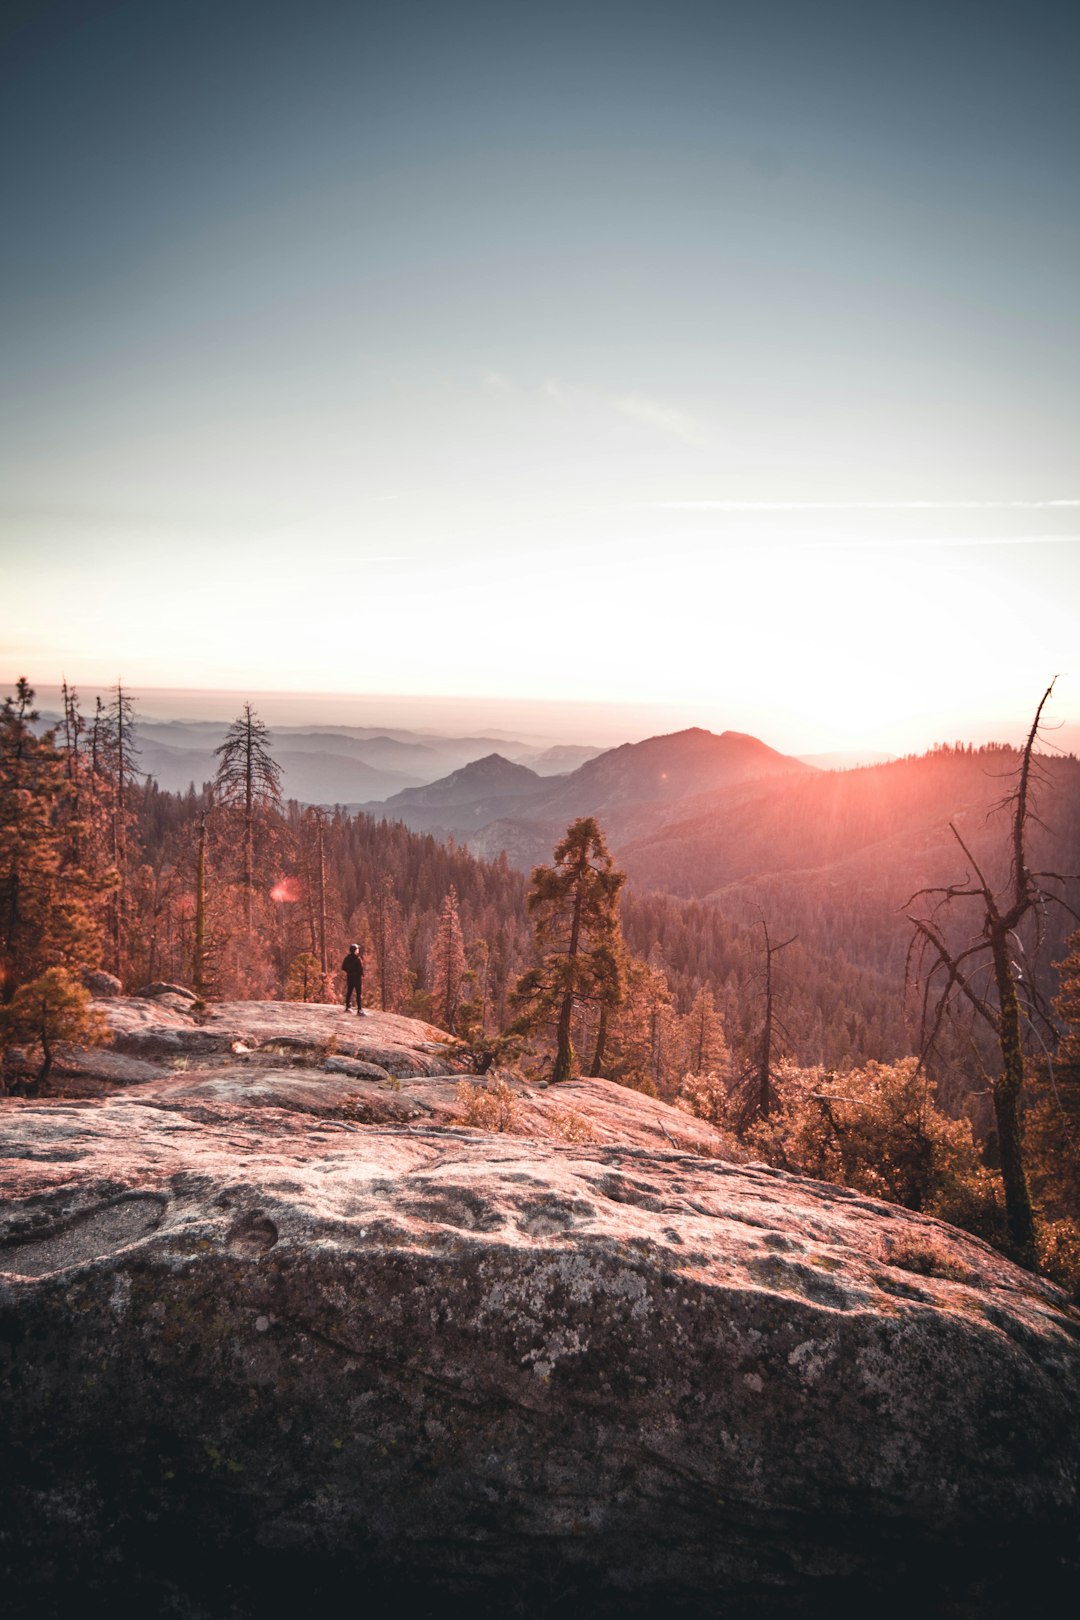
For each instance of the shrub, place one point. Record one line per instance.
(491, 1107)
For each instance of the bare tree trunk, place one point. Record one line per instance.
(564, 1051)
(1018, 1212)
(763, 1097)
(198, 965)
(322, 894)
(600, 1050)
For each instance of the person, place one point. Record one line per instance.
(353, 969)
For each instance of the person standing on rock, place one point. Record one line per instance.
(353, 969)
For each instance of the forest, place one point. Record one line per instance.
(804, 1057)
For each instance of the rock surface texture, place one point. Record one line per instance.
(259, 1355)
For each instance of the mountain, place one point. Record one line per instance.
(558, 760)
(482, 791)
(498, 805)
(634, 789)
(314, 776)
(835, 856)
(663, 770)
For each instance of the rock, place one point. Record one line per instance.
(358, 1070)
(302, 1091)
(105, 1064)
(153, 992)
(256, 1361)
(150, 1029)
(401, 1046)
(102, 986)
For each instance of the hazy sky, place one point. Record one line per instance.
(719, 355)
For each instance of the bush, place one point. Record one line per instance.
(1059, 1254)
(492, 1107)
(879, 1130)
(50, 1011)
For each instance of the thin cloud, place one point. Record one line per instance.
(940, 541)
(636, 407)
(653, 413)
(867, 506)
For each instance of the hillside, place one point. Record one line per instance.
(479, 792)
(835, 856)
(631, 789)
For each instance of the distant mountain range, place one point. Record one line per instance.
(499, 805)
(348, 765)
(830, 855)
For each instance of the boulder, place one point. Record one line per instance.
(256, 1360)
(102, 986)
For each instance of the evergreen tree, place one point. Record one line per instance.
(1052, 1135)
(248, 784)
(448, 963)
(46, 915)
(645, 1048)
(305, 978)
(574, 909)
(47, 1011)
(117, 767)
(386, 929)
(704, 1049)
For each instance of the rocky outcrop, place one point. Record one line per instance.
(100, 984)
(258, 1355)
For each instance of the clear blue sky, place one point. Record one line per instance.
(717, 354)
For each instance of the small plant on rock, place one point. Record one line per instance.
(50, 1011)
(490, 1108)
(927, 1257)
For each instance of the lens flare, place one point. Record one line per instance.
(286, 888)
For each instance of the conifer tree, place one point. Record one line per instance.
(645, 1048)
(574, 909)
(47, 1011)
(704, 1050)
(448, 963)
(386, 930)
(305, 978)
(118, 760)
(248, 783)
(45, 913)
(1052, 1129)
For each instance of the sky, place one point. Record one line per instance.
(717, 357)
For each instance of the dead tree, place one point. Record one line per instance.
(752, 1089)
(764, 1089)
(986, 978)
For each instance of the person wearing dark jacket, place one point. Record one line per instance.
(353, 969)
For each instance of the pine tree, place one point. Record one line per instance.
(46, 918)
(248, 783)
(704, 1049)
(305, 978)
(47, 1011)
(574, 910)
(448, 963)
(386, 929)
(645, 1047)
(1052, 1132)
(118, 755)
